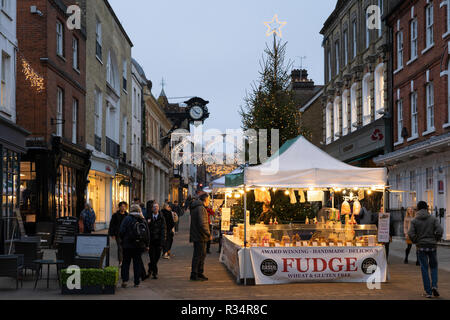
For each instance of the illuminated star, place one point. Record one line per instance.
(274, 26)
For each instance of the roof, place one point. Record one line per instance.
(302, 96)
(139, 69)
(339, 5)
(312, 100)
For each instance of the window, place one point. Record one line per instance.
(125, 75)
(98, 46)
(345, 44)
(413, 39)
(430, 107)
(59, 38)
(354, 108)
(381, 6)
(336, 51)
(74, 121)
(367, 29)
(429, 175)
(5, 75)
(412, 180)
(367, 100)
(75, 54)
(414, 116)
(6, 6)
(430, 187)
(355, 38)
(399, 120)
(59, 112)
(329, 125)
(379, 91)
(429, 21)
(329, 65)
(399, 50)
(345, 113)
(336, 111)
(112, 76)
(98, 113)
(124, 134)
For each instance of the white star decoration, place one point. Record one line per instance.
(274, 26)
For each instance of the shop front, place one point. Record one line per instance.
(53, 181)
(328, 245)
(121, 187)
(12, 145)
(136, 184)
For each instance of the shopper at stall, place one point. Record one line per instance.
(88, 218)
(267, 215)
(410, 215)
(114, 228)
(157, 229)
(170, 225)
(425, 232)
(199, 236)
(134, 233)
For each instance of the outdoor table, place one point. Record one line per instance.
(58, 263)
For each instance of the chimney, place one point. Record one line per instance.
(299, 79)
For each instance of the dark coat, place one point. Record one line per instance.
(199, 223)
(157, 229)
(170, 224)
(425, 230)
(126, 231)
(116, 221)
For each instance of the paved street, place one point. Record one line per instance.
(173, 283)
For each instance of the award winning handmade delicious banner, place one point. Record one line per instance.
(319, 264)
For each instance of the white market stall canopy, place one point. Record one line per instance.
(300, 164)
(220, 183)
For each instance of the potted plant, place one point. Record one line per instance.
(110, 280)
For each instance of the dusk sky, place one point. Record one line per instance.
(212, 49)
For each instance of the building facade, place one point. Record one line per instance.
(420, 163)
(51, 92)
(355, 98)
(108, 114)
(12, 137)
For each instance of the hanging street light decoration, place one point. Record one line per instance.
(30, 75)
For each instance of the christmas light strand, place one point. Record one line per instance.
(35, 79)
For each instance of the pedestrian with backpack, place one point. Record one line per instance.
(135, 236)
(425, 232)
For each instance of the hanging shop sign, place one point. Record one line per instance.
(349, 264)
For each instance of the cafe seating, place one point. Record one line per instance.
(31, 251)
(65, 251)
(11, 266)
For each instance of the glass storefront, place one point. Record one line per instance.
(120, 191)
(28, 189)
(97, 192)
(10, 178)
(65, 192)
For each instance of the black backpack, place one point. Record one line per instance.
(140, 233)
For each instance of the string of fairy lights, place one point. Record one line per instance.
(35, 79)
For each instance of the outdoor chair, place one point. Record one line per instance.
(31, 251)
(91, 262)
(65, 251)
(12, 266)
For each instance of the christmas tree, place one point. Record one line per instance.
(270, 104)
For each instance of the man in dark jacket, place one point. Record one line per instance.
(199, 235)
(170, 224)
(425, 232)
(114, 228)
(157, 228)
(132, 249)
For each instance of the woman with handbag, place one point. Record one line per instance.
(410, 215)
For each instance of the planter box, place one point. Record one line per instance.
(109, 290)
(87, 290)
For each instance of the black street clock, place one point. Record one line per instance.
(197, 109)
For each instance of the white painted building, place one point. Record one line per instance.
(8, 47)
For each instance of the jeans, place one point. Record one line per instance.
(169, 242)
(428, 260)
(134, 254)
(154, 254)
(119, 249)
(198, 258)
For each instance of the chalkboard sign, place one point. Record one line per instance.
(66, 227)
(91, 245)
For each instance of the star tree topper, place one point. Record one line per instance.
(274, 26)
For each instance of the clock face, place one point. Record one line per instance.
(196, 112)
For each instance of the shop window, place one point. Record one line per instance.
(120, 191)
(65, 192)
(28, 188)
(96, 197)
(10, 183)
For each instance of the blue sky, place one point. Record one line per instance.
(212, 49)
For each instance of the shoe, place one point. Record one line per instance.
(124, 284)
(136, 286)
(166, 257)
(201, 277)
(435, 292)
(428, 296)
(194, 278)
(145, 277)
(155, 277)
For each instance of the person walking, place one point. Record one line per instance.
(199, 236)
(157, 229)
(410, 215)
(114, 228)
(87, 216)
(135, 237)
(170, 224)
(425, 232)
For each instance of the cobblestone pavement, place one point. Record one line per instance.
(405, 281)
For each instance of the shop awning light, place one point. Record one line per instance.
(286, 192)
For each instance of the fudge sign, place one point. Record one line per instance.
(269, 267)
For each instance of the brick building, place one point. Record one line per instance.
(420, 162)
(54, 170)
(355, 98)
